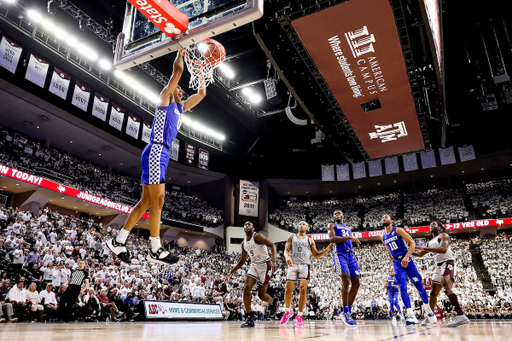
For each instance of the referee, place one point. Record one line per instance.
(73, 290)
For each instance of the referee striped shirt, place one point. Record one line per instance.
(78, 277)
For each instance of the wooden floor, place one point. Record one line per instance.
(201, 331)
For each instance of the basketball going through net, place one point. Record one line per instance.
(201, 59)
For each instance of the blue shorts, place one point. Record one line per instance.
(154, 161)
(393, 297)
(409, 272)
(346, 262)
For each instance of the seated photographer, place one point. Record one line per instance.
(93, 303)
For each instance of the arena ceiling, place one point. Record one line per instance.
(271, 146)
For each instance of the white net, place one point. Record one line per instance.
(201, 59)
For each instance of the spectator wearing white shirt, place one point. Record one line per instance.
(33, 297)
(50, 302)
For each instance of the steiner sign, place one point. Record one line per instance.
(65, 190)
(163, 15)
(177, 310)
(355, 46)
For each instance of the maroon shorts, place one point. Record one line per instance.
(444, 269)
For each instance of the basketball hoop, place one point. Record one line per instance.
(201, 59)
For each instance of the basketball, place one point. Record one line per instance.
(213, 55)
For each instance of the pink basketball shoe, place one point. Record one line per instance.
(298, 321)
(286, 316)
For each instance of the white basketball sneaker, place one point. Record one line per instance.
(411, 320)
(431, 316)
(393, 321)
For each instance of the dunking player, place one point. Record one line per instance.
(392, 287)
(299, 262)
(445, 271)
(154, 160)
(260, 270)
(345, 263)
(404, 266)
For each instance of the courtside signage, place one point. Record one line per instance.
(64, 190)
(356, 48)
(164, 15)
(171, 310)
(423, 229)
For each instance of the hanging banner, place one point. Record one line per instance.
(327, 172)
(391, 165)
(428, 159)
(359, 170)
(116, 116)
(356, 47)
(342, 172)
(447, 155)
(99, 107)
(410, 162)
(249, 198)
(467, 153)
(10, 53)
(37, 70)
(175, 149)
(375, 168)
(81, 96)
(204, 158)
(190, 154)
(60, 83)
(146, 131)
(133, 126)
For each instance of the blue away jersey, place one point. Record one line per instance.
(342, 230)
(166, 124)
(396, 244)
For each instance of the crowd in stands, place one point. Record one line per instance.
(21, 153)
(491, 199)
(374, 207)
(445, 205)
(497, 256)
(39, 252)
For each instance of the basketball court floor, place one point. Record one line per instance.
(318, 330)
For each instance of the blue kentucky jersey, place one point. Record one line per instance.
(343, 231)
(395, 243)
(166, 124)
(391, 284)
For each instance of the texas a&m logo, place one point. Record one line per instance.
(390, 132)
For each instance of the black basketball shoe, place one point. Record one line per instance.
(161, 257)
(249, 321)
(119, 250)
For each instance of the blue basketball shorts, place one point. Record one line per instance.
(410, 271)
(393, 297)
(346, 262)
(154, 161)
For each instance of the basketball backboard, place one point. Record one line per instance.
(141, 41)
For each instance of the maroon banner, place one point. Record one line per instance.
(204, 159)
(355, 46)
(190, 154)
(423, 229)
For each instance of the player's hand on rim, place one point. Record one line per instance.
(405, 261)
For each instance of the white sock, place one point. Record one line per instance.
(410, 312)
(299, 313)
(122, 235)
(427, 308)
(155, 243)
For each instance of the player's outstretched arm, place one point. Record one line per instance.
(194, 100)
(445, 243)
(315, 252)
(287, 249)
(264, 240)
(166, 96)
(241, 262)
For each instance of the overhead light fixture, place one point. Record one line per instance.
(10, 1)
(247, 91)
(71, 41)
(105, 64)
(119, 74)
(60, 34)
(50, 26)
(87, 52)
(255, 99)
(35, 16)
(226, 70)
